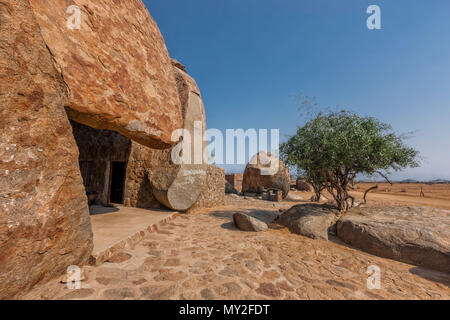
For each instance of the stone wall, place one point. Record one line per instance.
(213, 191)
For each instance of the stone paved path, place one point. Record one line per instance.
(202, 256)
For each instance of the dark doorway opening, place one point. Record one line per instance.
(117, 187)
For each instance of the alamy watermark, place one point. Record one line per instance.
(237, 143)
(374, 279)
(374, 20)
(74, 20)
(73, 280)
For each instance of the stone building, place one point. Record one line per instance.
(87, 116)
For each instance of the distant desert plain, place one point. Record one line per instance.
(436, 195)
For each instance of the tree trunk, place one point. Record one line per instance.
(317, 194)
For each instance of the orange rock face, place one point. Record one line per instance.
(116, 67)
(44, 218)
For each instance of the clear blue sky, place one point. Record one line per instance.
(251, 58)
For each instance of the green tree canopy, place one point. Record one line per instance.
(335, 147)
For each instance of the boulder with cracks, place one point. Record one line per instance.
(419, 236)
(310, 220)
(177, 176)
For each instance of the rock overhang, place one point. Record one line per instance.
(116, 68)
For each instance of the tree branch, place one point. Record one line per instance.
(384, 176)
(367, 191)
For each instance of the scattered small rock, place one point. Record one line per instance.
(247, 223)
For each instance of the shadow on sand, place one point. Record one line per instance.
(98, 210)
(432, 275)
(266, 216)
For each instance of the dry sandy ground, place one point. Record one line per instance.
(435, 195)
(203, 256)
(431, 191)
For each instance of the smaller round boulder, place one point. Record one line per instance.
(248, 223)
(310, 220)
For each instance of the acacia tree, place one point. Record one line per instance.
(334, 147)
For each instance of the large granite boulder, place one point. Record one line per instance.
(419, 236)
(310, 220)
(44, 217)
(116, 67)
(263, 172)
(152, 178)
(178, 184)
